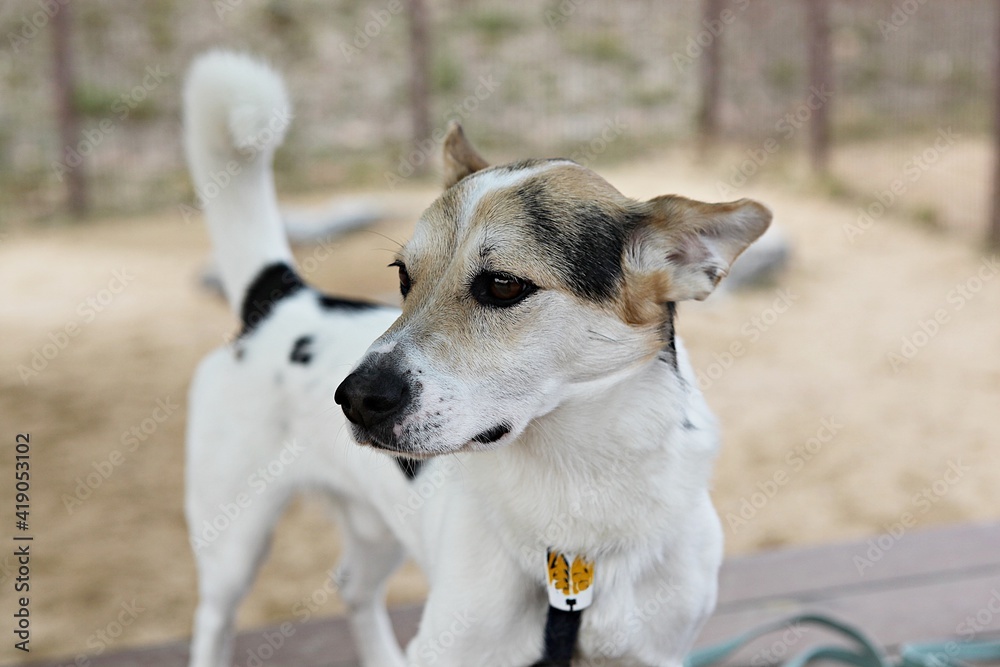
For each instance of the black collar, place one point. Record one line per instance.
(561, 629)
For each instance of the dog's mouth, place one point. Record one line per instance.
(493, 434)
(368, 438)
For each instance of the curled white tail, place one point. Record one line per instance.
(236, 113)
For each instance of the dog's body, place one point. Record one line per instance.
(262, 424)
(535, 346)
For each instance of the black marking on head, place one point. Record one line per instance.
(410, 467)
(688, 426)
(274, 283)
(584, 240)
(301, 354)
(669, 351)
(338, 303)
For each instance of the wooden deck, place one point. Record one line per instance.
(926, 585)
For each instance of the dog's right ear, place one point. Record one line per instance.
(460, 158)
(682, 248)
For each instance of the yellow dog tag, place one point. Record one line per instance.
(570, 580)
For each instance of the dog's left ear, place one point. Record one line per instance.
(460, 158)
(682, 248)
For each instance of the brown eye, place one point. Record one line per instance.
(505, 288)
(404, 278)
(501, 289)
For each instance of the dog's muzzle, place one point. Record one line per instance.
(374, 400)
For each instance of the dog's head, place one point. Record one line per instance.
(525, 285)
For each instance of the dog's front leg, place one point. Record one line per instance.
(482, 609)
(493, 628)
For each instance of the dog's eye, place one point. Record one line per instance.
(404, 278)
(500, 289)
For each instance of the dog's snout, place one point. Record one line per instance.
(372, 399)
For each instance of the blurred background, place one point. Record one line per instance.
(858, 388)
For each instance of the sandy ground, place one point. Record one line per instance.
(826, 436)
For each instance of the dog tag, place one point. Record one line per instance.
(571, 579)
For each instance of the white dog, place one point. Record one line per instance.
(572, 519)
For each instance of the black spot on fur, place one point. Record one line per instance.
(688, 426)
(410, 467)
(337, 303)
(585, 240)
(301, 354)
(274, 283)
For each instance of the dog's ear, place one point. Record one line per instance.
(682, 248)
(460, 158)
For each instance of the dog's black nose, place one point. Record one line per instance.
(371, 399)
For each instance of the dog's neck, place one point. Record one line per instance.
(600, 467)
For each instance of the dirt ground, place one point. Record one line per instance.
(827, 435)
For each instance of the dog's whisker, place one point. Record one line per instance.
(599, 336)
(387, 238)
(461, 464)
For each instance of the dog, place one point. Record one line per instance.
(554, 451)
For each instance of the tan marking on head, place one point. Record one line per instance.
(643, 299)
